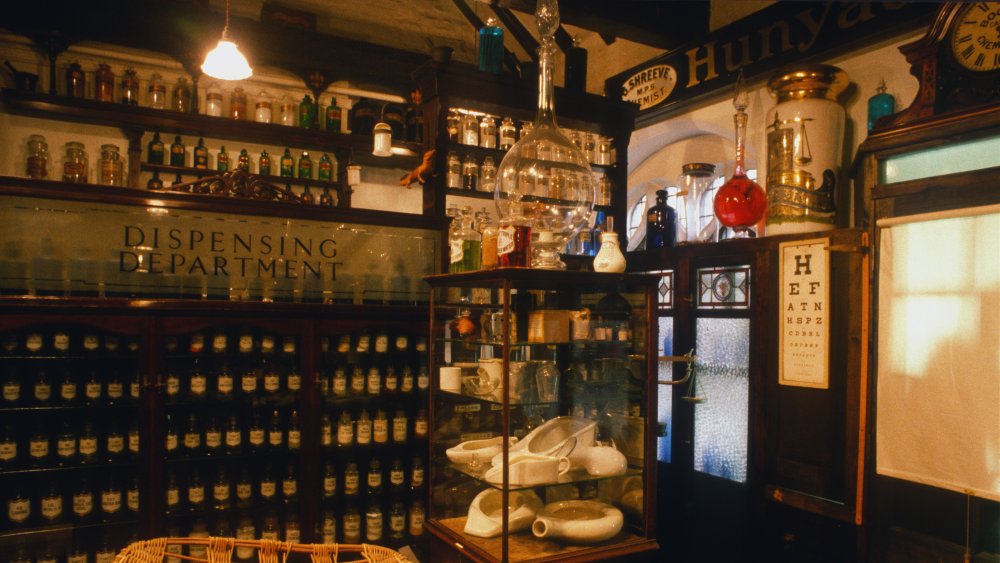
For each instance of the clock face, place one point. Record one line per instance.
(975, 36)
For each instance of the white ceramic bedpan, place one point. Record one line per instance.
(483, 449)
(530, 469)
(486, 512)
(578, 521)
(551, 438)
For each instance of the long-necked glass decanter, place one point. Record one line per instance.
(544, 176)
(740, 203)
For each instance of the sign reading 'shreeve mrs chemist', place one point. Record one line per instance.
(77, 248)
(782, 34)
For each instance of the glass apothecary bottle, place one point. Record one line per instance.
(130, 88)
(286, 165)
(156, 93)
(604, 189)
(262, 111)
(469, 130)
(222, 160)
(110, 167)
(76, 81)
(213, 100)
(264, 163)
(488, 231)
(104, 83)
(488, 132)
(305, 167)
(200, 155)
(488, 175)
(155, 150)
(181, 95)
(466, 246)
(454, 125)
(38, 157)
(470, 173)
(307, 112)
(286, 111)
(590, 147)
(243, 161)
(238, 104)
(508, 133)
(75, 163)
(661, 223)
(333, 116)
(696, 220)
(324, 169)
(604, 153)
(453, 178)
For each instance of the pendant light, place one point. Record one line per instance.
(226, 62)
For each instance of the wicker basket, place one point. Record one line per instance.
(220, 550)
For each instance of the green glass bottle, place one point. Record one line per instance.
(222, 160)
(264, 164)
(307, 113)
(243, 162)
(287, 169)
(333, 116)
(201, 155)
(325, 169)
(156, 149)
(178, 154)
(305, 166)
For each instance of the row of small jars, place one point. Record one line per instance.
(465, 128)
(110, 167)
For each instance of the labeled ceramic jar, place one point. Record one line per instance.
(804, 139)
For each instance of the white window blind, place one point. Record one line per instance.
(938, 393)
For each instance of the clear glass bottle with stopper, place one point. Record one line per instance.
(553, 220)
(740, 203)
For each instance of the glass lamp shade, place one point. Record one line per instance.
(353, 174)
(547, 180)
(226, 62)
(383, 139)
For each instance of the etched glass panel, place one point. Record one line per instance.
(951, 158)
(724, 288)
(722, 380)
(665, 290)
(664, 392)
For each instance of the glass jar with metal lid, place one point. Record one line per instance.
(110, 167)
(75, 163)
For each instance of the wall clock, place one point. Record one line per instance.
(957, 62)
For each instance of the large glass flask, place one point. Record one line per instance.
(522, 179)
(740, 203)
(696, 220)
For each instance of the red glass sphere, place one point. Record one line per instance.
(740, 203)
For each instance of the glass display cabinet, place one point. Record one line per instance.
(542, 415)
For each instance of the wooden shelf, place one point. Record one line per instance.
(135, 118)
(276, 180)
(497, 154)
(477, 194)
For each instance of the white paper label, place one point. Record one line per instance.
(374, 381)
(224, 384)
(397, 523)
(380, 429)
(330, 485)
(83, 504)
(93, 390)
(171, 442)
(68, 391)
(111, 501)
(196, 494)
(294, 439)
(173, 497)
(374, 479)
(43, 391)
(116, 443)
(246, 343)
(249, 383)
(34, 342)
(8, 451)
(256, 436)
(351, 483)
(11, 392)
(18, 510)
(173, 385)
(213, 438)
(244, 490)
(132, 498)
(364, 432)
(373, 527)
(396, 477)
(38, 448)
(115, 389)
(219, 343)
(198, 384)
(61, 341)
(420, 428)
(220, 492)
(345, 434)
(133, 442)
(233, 438)
(294, 381)
(52, 507)
(272, 382)
(192, 440)
(326, 434)
(275, 437)
(289, 487)
(268, 489)
(399, 429)
(457, 252)
(505, 239)
(66, 447)
(90, 342)
(418, 477)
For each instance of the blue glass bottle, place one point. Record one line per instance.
(491, 47)
(661, 221)
(880, 105)
(596, 232)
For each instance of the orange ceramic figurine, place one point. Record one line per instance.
(421, 172)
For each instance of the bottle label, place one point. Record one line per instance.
(381, 343)
(505, 240)
(34, 342)
(61, 341)
(52, 507)
(275, 437)
(93, 390)
(391, 381)
(418, 477)
(43, 391)
(402, 343)
(267, 344)
(374, 479)
(357, 383)
(192, 440)
(268, 489)
(83, 504)
(11, 391)
(68, 391)
(294, 439)
(90, 342)
(224, 385)
(249, 383)
(326, 434)
(399, 429)
(197, 340)
(397, 523)
(457, 252)
(233, 438)
(115, 389)
(330, 485)
(416, 522)
(407, 383)
(420, 428)
(173, 385)
(213, 438)
(244, 490)
(104, 557)
(423, 380)
(132, 500)
(66, 447)
(8, 451)
(80, 558)
(364, 432)
(269, 535)
(220, 492)
(396, 477)
(196, 494)
(293, 535)
(289, 487)
(111, 501)
(198, 385)
(18, 510)
(339, 384)
(133, 442)
(257, 436)
(116, 443)
(272, 382)
(171, 442)
(134, 389)
(294, 381)
(246, 343)
(381, 430)
(288, 345)
(352, 527)
(374, 382)
(38, 448)
(351, 483)
(219, 343)
(173, 497)
(373, 531)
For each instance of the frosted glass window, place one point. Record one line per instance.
(938, 403)
(721, 421)
(665, 406)
(938, 161)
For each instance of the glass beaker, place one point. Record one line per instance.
(696, 220)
